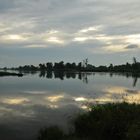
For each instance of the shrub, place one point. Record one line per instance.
(51, 133)
(109, 121)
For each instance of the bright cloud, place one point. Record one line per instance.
(13, 37)
(55, 40)
(53, 32)
(82, 39)
(133, 39)
(94, 28)
(115, 49)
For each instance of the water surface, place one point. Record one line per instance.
(37, 99)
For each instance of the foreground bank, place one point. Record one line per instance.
(118, 121)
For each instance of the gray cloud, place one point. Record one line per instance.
(133, 46)
(6, 4)
(32, 24)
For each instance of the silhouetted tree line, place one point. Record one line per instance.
(82, 66)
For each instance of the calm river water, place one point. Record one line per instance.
(37, 100)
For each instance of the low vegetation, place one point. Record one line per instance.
(117, 121)
(10, 74)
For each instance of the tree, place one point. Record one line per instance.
(49, 66)
(79, 66)
(111, 67)
(134, 60)
(42, 66)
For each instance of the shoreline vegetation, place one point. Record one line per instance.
(111, 121)
(83, 66)
(10, 74)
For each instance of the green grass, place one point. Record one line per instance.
(115, 121)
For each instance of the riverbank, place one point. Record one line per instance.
(10, 74)
(117, 121)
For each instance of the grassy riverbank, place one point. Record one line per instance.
(118, 121)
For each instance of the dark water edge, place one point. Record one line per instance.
(10, 74)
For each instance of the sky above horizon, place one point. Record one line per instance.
(39, 31)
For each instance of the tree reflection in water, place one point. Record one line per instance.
(83, 75)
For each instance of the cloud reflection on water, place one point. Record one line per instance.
(55, 98)
(15, 101)
(32, 102)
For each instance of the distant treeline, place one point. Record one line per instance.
(81, 66)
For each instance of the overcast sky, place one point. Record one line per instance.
(38, 31)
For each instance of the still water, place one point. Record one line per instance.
(37, 100)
